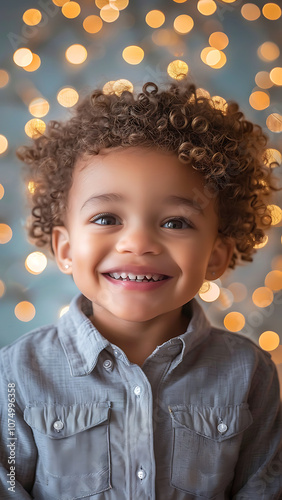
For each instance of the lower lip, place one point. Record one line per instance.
(133, 285)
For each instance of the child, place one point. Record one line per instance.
(133, 395)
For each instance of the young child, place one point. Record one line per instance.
(133, 395)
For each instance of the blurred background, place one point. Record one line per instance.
(53, 52)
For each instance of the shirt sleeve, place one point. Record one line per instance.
(18, 452)
(259, 468)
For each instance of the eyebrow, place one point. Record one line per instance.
(172, 200)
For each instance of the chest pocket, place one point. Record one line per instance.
(73, 449)
(206, 443)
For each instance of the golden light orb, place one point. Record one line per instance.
(275, 76)
(2, 191)
(250, 11)
(155, 18)
(239, 291)
(2, 288)
(263, 242)
(259, 100)
(262, 296)
(34, 128)
(36, 262)
(271, 11)
(6, 234)
(32, 17)
(274, 122)
(269, 340)
(67, 97)
(76, 54)
(203, 93)
(71, 9)
(206, 7)
(205, 287)
(3, 144)
(92, 24)
(22, 57)
(109, 13)
(211, 294)
(272, 157)
(25, 311)
(225, 299)
(268, 51)
(31, 187)
(60, 3)
(273, 280)
(133, 54)
(119, 4)
(275, 213)
(177, 69)
(218, 40)
(4, 78)
(234, 321)
(120, 86)
(39, 107)
(183, 24)
(180, 1)
(262, 80)
(35, 63)
(101, 3)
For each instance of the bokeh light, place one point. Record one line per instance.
(234, 321)
(218, 40)
(6, 234)
(239, 291)
(274, 122)
(39, 107)
(22, 57)
(271, 11)
(276, 263)
(36, 262)
(183, 24)
(4, 78)
(263, 243)
(211, 294)
(35, 63)
(164, 38)
(269, 340)
(67, 97)
(25, 311)
(2, 288)
(120, 4)
(109, 13)
(268, 51)
(273, 280)
(250, 11)
(92, 24)
(35, 127)
(225, 299)
(177, 69)
(276, 214)
(76, 54)
(133, 54)
(155, 18)
(60, 3)
(275, 76)
(272, 157)
(71, 9)
(262, 296)
(262, 80)
(2, 191)
(31, 187)
(3, 144)
(32, 17)
(259, 100)
(206, 7)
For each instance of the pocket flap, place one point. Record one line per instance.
(68, 420)
(218, 423)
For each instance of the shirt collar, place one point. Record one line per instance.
(82, 342)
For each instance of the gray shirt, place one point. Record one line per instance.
(200, 420)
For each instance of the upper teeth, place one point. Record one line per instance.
(135, 277)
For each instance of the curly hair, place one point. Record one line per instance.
(218, 141)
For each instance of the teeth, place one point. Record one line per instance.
(116, 275)
(156, 277)
(136, 277)
(148, 276)
(123, 275)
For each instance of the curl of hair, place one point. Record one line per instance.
(228, 150)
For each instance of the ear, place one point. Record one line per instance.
(220, 257)
(61, 247)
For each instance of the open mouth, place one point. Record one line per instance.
(137, 278)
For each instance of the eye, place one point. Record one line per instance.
(104, 220)
(178, 224)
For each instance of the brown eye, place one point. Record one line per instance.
(177, 224)
(104, 220)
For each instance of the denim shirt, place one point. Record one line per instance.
(200, 420)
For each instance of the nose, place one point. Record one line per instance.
(138, 240)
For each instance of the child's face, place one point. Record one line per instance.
(139, 230)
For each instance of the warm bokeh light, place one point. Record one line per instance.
(6, 234)
(35, 127)
(269, 340)
(32, 17)
(155, 18)
(60, 3)
(71, 9)
(213, 57)
(133, 54)
(164, 37)
(92, 24)
(109, 13)
(35, 63)
(259, 100)
(276, 263)
(3, 144)
(275, 75)
(63, 310)
(262, 296)
(2, 288)
(202, 93)
(31, 187)
(239, 291)
(268, 51)
(211, 294)
(206, 7)
(262, 80)
(39, 107)
(36, 262)
(219, 102)
(262, 243)
(4, 78)
(76, 54)
(225, 299)
(271, 11)
(119, 86)
(120, 4)
(234, 321)
(205, 287)
(273, 280)
(276, 214)
(2, 191)
(25, 311)
(180, 1)
(274, 122)
(22, 57)
(67, 97)
(218, 40)
(177, 69)
(272, 157)
(183, 24)
(250, 11)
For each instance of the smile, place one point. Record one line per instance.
(137, 278)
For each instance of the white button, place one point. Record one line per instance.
(222, 428)
(116, 353)
(58, 425)
(141, 474)
(107, 364)
(137, 390)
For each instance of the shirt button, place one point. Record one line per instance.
(58, 425)
(222, 428)
(141, 474)
(137, 390)
(107, 364)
